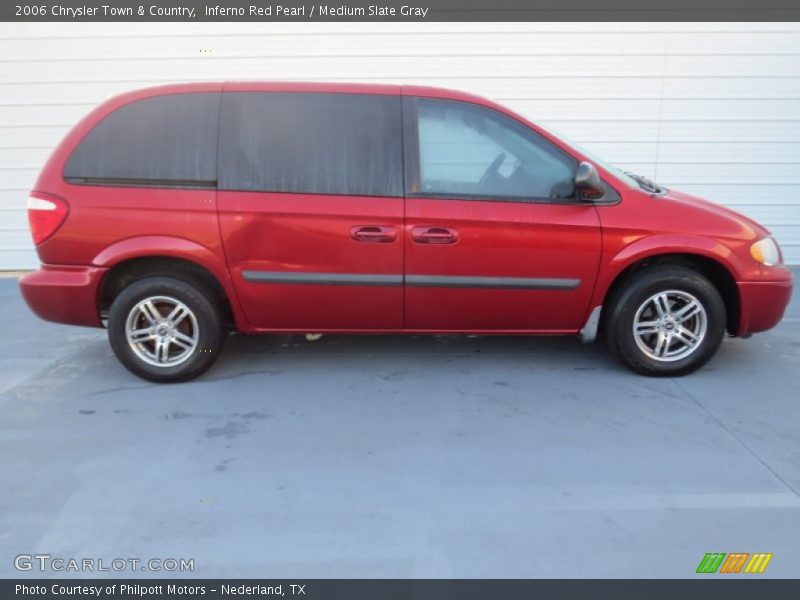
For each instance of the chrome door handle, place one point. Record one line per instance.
(375, 234)
(434, 235)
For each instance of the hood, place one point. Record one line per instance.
(729, 220)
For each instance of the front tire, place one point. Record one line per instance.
(665, 321)
(165, 329)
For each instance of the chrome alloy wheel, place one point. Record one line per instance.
(670, 325)
(162, 331)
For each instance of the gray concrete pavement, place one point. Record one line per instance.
(398, 457)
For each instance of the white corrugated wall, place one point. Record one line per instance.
(710, 108)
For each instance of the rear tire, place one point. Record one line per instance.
(665, 321)
(165, 329)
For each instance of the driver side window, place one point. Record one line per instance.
(469, 151)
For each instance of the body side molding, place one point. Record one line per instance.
(529, 283)
(321, 278)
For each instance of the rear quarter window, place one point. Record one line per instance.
(312, 143)
(166, 140)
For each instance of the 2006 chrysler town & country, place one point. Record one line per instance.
(176, 214)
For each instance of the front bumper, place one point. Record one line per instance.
(64, 294)
(762, 304)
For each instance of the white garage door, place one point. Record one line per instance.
(713, 109)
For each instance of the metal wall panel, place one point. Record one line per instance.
(712, 108)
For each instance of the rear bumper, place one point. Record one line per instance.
(64, 294)
(762, 304)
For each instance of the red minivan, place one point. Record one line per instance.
(176, 214)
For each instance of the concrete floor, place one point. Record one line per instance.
(399, 457)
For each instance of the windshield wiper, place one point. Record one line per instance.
(645, 183)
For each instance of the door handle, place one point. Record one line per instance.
(434, 235)
(375, 234)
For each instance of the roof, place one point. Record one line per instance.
(309, 87)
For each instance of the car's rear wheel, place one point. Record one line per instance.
(165, 329)
(667, 320)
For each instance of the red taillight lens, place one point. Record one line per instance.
(45, 216)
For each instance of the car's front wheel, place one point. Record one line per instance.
(667, 320)
(165, 329)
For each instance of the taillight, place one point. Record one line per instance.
(45, 216)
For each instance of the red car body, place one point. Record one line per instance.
(229, 233)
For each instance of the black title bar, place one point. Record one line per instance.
(400, 10)
(744, 588)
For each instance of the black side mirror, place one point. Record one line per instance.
(588, 182)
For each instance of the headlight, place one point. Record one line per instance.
(766, 252)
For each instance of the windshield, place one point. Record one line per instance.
(634, 181)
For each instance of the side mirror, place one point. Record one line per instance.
(588, 181)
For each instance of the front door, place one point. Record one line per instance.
(495, 239)
(311, 208)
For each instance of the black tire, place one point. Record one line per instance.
(205, 314)
(622, 308)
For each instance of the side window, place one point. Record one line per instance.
(165, 140)
(311, 143)
(469, 151)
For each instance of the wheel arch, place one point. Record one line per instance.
(134, 258)
(715, 270)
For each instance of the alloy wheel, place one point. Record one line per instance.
(162, 331)
(670, 325)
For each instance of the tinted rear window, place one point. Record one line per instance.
(346, 144)
(170, 140)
